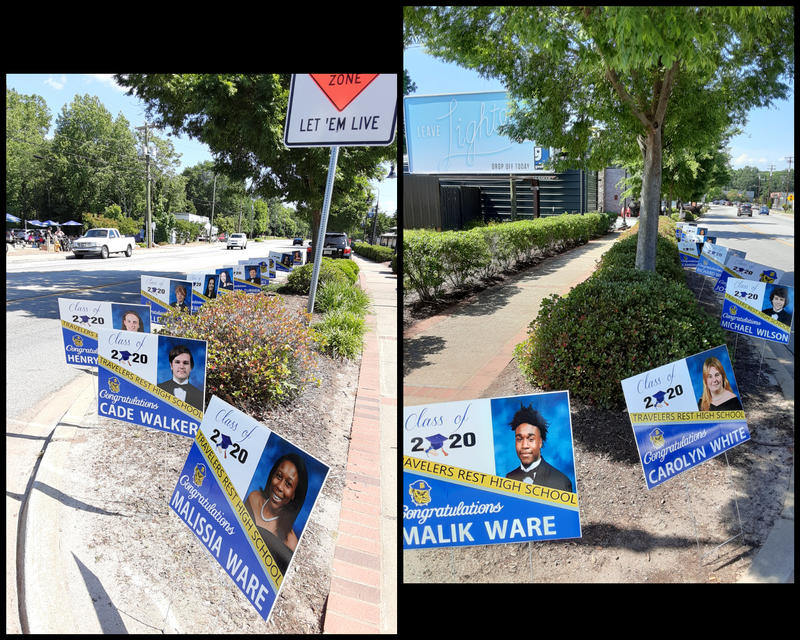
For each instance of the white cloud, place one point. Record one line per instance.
(56, 84)
(107, 79)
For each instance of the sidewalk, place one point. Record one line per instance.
(362, 597)
(457, 355)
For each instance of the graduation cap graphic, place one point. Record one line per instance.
(124, 357)
(226, 442)
(84, 320)
(659, 398)
(437, 442)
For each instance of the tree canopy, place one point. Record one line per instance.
(241, 118)
(608, 83)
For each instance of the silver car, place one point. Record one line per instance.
(237, 240)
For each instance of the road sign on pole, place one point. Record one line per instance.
(341, 110)
(333, 110)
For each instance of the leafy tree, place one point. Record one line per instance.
(241, 118)
(94, 155)
(27, 124)
(598, 82)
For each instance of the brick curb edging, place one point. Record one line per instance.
(354, 600)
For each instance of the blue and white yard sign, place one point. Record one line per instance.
(758, 309)
(152, 380)
(466, 481)
(241, 487)
(689, 252)
(457, 133)
(713, 258)
(746, 270)
(685, 413)
(81, 318)
(162, 293)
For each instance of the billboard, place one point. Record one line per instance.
(458, 133)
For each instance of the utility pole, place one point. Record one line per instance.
(213, 200)
(148, 223)
(769, 185)
(786, 182)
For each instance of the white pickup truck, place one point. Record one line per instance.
(102, 242)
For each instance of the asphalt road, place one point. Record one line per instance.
(768, 240)
(35, 364)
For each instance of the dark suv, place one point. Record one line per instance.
(336, 246)
(745, 209)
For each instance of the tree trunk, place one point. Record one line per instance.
(651, 199)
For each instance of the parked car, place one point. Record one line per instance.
(763, 210)
(745, 209)
(297, 241)
(336, 245)
(237, 240)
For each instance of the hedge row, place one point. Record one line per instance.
(617, 324)
(432, 259)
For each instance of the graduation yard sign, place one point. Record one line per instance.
(248, 494)
(685, 413)
(489, 471)
(152, 380)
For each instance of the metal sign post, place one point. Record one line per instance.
(323, 223)
(338, 110)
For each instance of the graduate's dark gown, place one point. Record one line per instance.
(279, 551)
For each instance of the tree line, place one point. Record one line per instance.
(91, 168)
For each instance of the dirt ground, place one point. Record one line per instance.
(630, 534)
(145, 555)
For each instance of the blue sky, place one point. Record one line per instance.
(59, 90)
(768, 137)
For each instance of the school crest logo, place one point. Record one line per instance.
(732, 310)
(420, 492)
(77, 341)
(113, 384)
(768, 276)
(199, 474)
(657, 438)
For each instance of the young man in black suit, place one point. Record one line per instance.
(530, 431)
(182, 363)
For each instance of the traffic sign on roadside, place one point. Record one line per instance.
(341, 110)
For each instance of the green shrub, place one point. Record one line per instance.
(340, 295)
(349, 268)
(373, 251)
(259, 353)
(610, 327)
(342, 333)
(299, 280)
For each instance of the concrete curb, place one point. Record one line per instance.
(42, 571)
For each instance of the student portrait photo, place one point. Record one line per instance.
(712, 378)
(132, 321)
(252, 275)
(533, 440)
(281, 494)
(181, 365)
(776, 303)
(210, 288)
(180, 302)
(226, 280)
